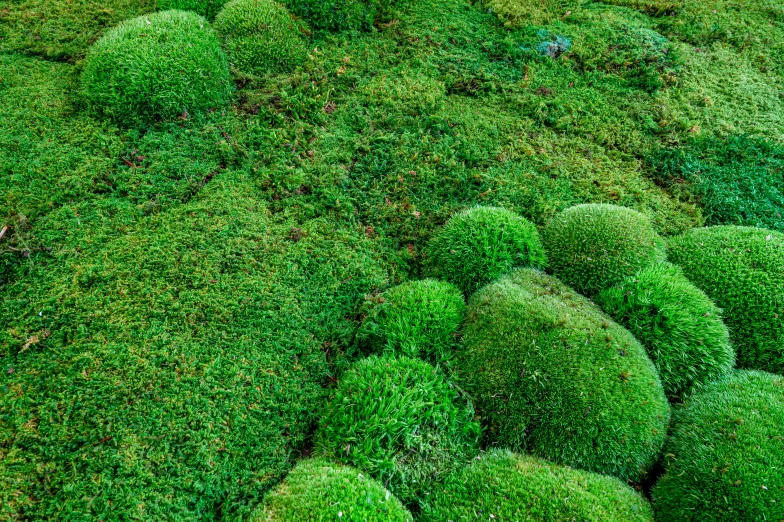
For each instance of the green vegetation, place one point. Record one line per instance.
(553, 376)
(341, 15)
(260, 37)
(415, 319)
(742, 270)
(317, 489)
(724, 459)
(206, 8)
(592, 247)
(400, 421)
(517, 487)
(160, 66)
(480, 244)
(676, 322)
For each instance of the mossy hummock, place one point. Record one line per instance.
(205, 8)
(317, 489)
(504, 486)
(399, 420)
(742, 270)
(724, 458)
(552, 375)
(594, 246)
(163, 66)
(676, 322)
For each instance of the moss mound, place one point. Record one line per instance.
(341, 15)
(742, 270)
(317, 489)
(400, 421)
(517, 487)
(416, 319)
(592, 247)
(206, 8)
(678, 324)
(724, 459)
(553, 376)
(481, 244)
(260, 36)
(160, 66)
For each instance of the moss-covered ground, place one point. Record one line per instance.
(177, 299)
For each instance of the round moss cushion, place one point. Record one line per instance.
(676, 322)
(400, 421)
(317, 489)
(742, 270)
(161, 66)
(503, 486)
(260, 37)
(592, 247)
(416, 319)
(478, 245)
(724, 459)
(553, 376)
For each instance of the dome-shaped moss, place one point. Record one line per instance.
(416, 319)
(724, 458)
(260, 37)
(503, 486)
(317, 489)
(160, 66)
(400, 421)
(341, 15)
(592, 247)
(552, 375)
(742, 270)
(480, 244)
(206, 8)
(676, 322)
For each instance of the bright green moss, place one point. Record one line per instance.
(676, 322)
(317, 489)
(724, 458)
(552, 375)
(521, 487)
(478, 245)
(742, 270)
(592, 247)
(205, 8)
(340, 15)
(260, 37)
(400, 421)
(160, 66)
(416, 319)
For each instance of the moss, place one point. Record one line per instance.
(400, 421)
(553, 376)
(592, 247)
(742, 270)
(480, 244)
(260, 37)
(505, 486)
(184, 73)
(205, 8)
(317, 489)
(676, 322)
(416, 319)
(334, 15)
(724, 459)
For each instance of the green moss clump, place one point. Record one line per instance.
(416, 319)
(341, 15)
(507, 485)
(724, 458)
(678, 324)
(742, 270)
(592, 247)
(553, 376)
(400, 421)
(480, 244)
(205, 8)
(317, 489)
(157, 67)
(260, 36)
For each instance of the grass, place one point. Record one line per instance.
(177, 298)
